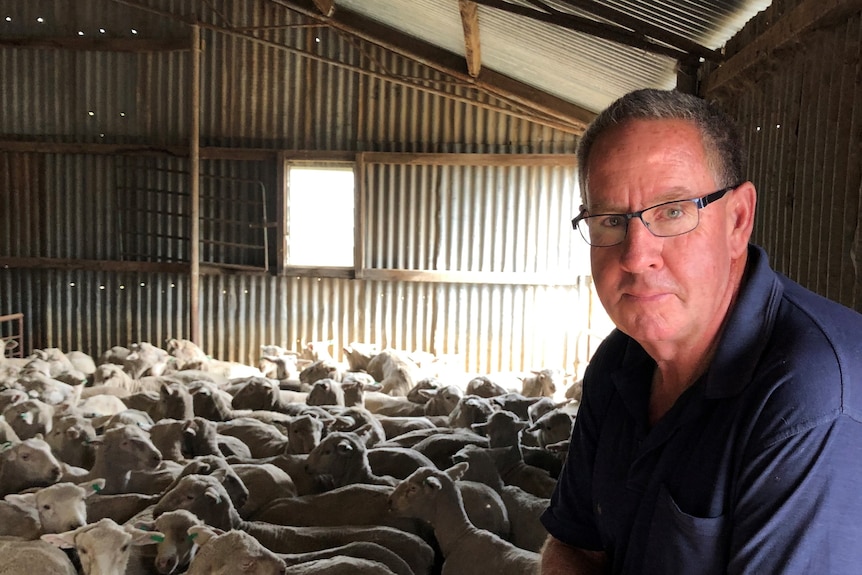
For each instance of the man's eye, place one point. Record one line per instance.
(613, 221)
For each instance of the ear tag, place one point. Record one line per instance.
(193, 536)
(157, 538)
(97, 488)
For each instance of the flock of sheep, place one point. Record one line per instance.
(152, 460)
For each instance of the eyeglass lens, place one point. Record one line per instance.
(665, 220)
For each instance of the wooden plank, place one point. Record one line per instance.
(121, 266)
(134, 45)
(472, 45)
(806, 17)
(495, 278)
(326, 7)
(433, 159)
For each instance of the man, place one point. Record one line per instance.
(720, 429)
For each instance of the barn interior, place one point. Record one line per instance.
(312, 176)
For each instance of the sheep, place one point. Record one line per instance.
(56, 508)
(483, 386)
(362, 421)
(395, 426)
(524, 509)
(103, 546)
(37, 556)
(321, 369)
(29, 418)
(82, 362)
(179, 440)
(205, 497)
(355, 504)
(185, 352)
(552, 427)
(343, 456)
(7, 434)
(174, 550)
(260, 393)
(438, 402)
(27, 464)
(431, 494)
(542, 383)
(145, 359)
(440, 447)
(470, 410)
(120, 451)
(231, 552)
(359, 354)
(264, 482)
(516, 403)
(304, 433)
(47, 389)
(117, 355)
(381, 560)
(262, 440)
(399, 462)
(396, 373)
(325, 391)
(503, 429)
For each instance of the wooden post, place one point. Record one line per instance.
(194, 188)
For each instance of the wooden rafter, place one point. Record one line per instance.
(472, 45)
(326, 7)
(544, 104)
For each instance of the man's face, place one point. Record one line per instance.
(661, 290)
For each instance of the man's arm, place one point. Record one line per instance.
(561, 559)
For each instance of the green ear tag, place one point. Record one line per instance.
(193, 536)
(157, 538)
(96, 487)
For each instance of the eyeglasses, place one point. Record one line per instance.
(663, 220)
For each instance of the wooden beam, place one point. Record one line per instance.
(122, 266)
(99, 44)
(432, 159)
(472, 46)
(326, 7)
(785, 33)
(495, 278)
(195, 187)
(450, 64)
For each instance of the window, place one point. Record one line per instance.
(320, 216)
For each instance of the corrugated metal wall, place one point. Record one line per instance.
(460, 218)
(801, 114)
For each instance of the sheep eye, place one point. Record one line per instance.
(46, 507)
(25, 456)
(125, 547)
(82, 551)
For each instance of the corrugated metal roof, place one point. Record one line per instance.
(574, 66)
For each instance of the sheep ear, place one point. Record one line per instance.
(202, 533)
(142, 537)
(533, 428)
(94, 486)
(458, 470)
(433, 482)
(427, 393)
(344, 447)
(21, 500)
(213, 494)
(62, 540)
(480, 427)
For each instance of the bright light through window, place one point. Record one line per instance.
(320, 204)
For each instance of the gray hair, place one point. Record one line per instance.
(721, 141)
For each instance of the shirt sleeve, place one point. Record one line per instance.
(569, 516)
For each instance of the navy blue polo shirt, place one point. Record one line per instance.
(757, 468)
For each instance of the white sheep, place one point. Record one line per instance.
(17, 557)
(230, 553)
(27, 464)
(103, 547)
(343, 456)
(57, 508)
(395, 372)
(174, 550)
(120, 451)
(432, 495)
(205, 497)
(543, 383)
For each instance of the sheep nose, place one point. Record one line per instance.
(166, 565)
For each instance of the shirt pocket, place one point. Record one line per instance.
(683, 543)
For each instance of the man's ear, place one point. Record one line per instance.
(743, 201)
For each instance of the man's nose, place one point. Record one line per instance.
(641, 249)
